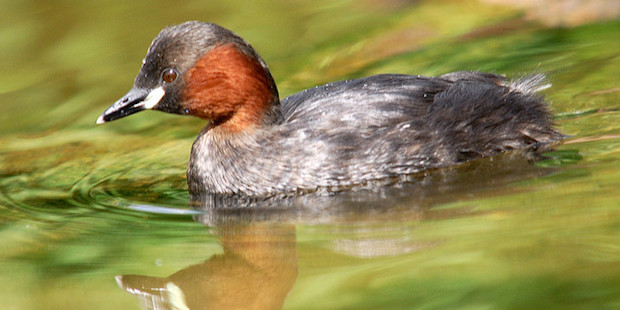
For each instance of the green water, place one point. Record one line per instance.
(83, 207)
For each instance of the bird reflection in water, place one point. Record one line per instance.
(256, 271)
(259, 263)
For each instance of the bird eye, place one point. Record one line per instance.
(169, 75)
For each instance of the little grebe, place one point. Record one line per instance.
(331, 137)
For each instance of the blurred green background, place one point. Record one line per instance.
(81, 204)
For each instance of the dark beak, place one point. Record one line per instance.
(136, 100)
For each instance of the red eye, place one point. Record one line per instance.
(169, 75)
